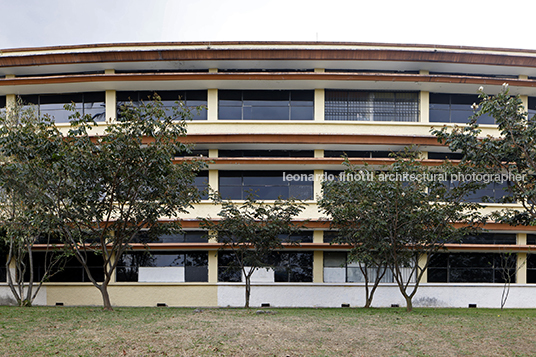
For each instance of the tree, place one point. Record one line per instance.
(23, 223)
(252, 231)
(102, 190)
(510, 155)
(399, 216)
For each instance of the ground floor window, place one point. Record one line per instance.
(337, 269)
(68, 270)
(472, 268)
(286, 266)
(163, 267)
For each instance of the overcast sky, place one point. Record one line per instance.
(34, 23)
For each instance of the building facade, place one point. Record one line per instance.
(276, 111)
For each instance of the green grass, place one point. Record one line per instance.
(90, 331)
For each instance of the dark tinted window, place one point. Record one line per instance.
(293, 267)
(190, 98)
(455, 108)
(471, 268)
(265, 153)
(2, 101)
(70, 270)
(53, 105)
(444, 155)
(363, 154)
(371, 106)
(265, 105)
(195, 264)
(266, 185)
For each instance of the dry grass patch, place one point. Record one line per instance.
(84, 331)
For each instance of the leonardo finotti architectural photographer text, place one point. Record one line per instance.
(366, 175)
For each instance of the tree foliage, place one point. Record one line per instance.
(397, 217)
(511, 153)
(23, 212)
(101, 190)
(252, 231)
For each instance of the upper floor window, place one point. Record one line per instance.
(184, 237)
(371, 106)
(454, 108)
(2, 101)
(266, 185)
(54, 105)
(532, 106)
(266, 104)
(190, 98)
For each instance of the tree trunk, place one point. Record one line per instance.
(409, 304)
(106, 303)
(248, 291)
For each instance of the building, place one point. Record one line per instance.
(275, 109)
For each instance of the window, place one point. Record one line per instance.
(531, 268)
(190, 98)
(287, 266)
(454, 108)
(471, 267)
(185, 237)
(494, 192)
(293, 267)
(2, 101)
(266, 153)
(266, 105)
(532, 106)
(72, 271)
(371, 106)
(201, 182)
(490, 238)
(362, 154)
(53, 105)
(185, 267)
(266, 185)
(337, 269)
(444, 155)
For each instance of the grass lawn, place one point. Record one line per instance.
(89, 331)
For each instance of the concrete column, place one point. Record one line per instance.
(317, 184)
(521, 266)
(319, 104)
(212, 266)
(318, 237)
(318, 266)
(111, 106)
(422, 263)
(213, 181)
(424, 103)
(213, 153)
(212, 104)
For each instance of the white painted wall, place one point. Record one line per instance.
(6, 297)
(261, 275)
(333, 295)
(161, 274)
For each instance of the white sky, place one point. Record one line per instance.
(34, 23)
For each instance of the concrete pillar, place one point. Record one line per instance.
(212, 104)
(319, 104)
(422, 264)
(521, 266)
(317, 184)
(318, 266)
(424, 103)
(213, 181)
(213, 266)
(111, 105)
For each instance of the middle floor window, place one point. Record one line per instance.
(266, 185)
(266, 104)
(371, 106)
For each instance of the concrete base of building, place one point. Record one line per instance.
(280, 295)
